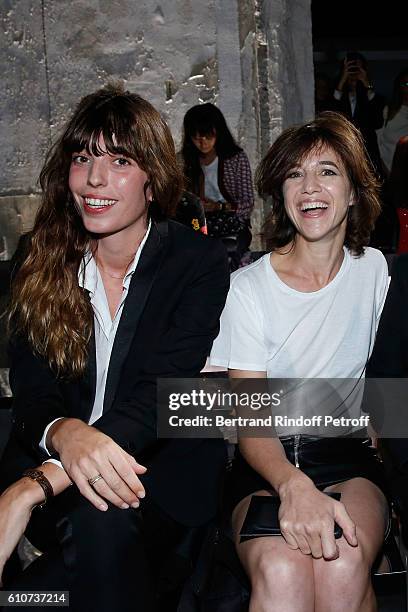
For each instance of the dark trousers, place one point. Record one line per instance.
(107, 560)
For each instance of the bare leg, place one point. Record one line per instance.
(281, 578)
(344, 584)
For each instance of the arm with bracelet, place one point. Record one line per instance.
(33, 490)
(111, 296)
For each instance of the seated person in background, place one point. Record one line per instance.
(357, 99)
(218, 171)
(395, 120)
(393, 144)
(309, 309)
(109, 296)
(398, 180)
(323, 93)
(389, 359)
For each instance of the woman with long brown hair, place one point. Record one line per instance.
(107, 297)
(309, 310)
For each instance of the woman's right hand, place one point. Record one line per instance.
(86, 452)
(307, 518)
(16, 504)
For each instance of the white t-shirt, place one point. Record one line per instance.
(211, 189)
(268, 326)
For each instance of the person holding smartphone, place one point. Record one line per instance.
(356, 98)
(309, 309)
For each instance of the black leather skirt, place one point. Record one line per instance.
(326, 461)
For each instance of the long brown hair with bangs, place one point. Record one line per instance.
(47, 304)
(331, 130)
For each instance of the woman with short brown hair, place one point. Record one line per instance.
(309, 310)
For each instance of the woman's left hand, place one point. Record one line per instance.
(16, 504)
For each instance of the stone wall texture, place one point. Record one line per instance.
(253, 58)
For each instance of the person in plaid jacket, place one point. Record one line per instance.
(218, 171)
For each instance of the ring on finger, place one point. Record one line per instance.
(95, 479)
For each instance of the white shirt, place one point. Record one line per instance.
(105, 327)
(389, 135)
(353, 98)
(211, 189)
(270, 327)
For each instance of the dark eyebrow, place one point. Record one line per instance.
(321, 163)
(328, 163)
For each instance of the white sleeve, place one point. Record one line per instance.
(240, 344)
(383, 285)
(55, 462)
(42, 444)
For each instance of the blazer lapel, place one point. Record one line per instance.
(88, 381)
(139, 289)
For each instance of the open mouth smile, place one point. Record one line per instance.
(313, 209)
(98, 202)
(97, 205)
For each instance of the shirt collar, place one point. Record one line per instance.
(88, 271)
(133, 266)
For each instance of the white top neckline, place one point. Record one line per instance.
(288, 289)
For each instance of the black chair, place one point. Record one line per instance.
(5, 421)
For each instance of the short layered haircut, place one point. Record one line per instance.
(330, 130)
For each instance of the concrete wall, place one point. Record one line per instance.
(251, 57)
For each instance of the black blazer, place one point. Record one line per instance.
(368, 117)
(169, 321)
(389, 358)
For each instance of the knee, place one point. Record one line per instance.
(344, 583)
(350, 568)
(274, 568)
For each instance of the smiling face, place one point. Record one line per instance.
(317, 195)
(108, 191)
